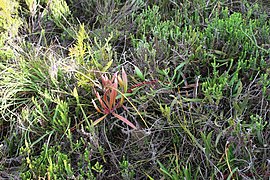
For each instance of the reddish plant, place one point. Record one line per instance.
(113, 97)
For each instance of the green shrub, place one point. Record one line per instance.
(51, 163)
(9, 25)
(91, 57)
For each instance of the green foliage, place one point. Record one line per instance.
(215, 87)
(59, 9)
(126, 170)
(196, 74)
(166, 111)
(233, 36)
(257, 126)
(105, 14)
(91, 59)
(226, 33)
(236, 37)
(207, 138)
(175, 171)
(50, 164)
(58, 119)
(9, 21)
(265, 82)
(9, 25)
(151, 25)
(139, 73)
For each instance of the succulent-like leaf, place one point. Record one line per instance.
(124, 120)
(108, 65)
(125, 81)
(139, 73)
(110, 101)
(104, 80)
(121, 101)
(113, 94)
(75, 94)
(114, 77)
(100, 101)
(96, 107)
(105, 97)
(120, 81)
(98, 120)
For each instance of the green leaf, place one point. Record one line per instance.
(125, 94)
(108, 65)
(75, 93)
(164, 170)
(139, 73)
(191, 99)
(125, 81)
(177, 69)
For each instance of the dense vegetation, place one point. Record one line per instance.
(110, 89)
